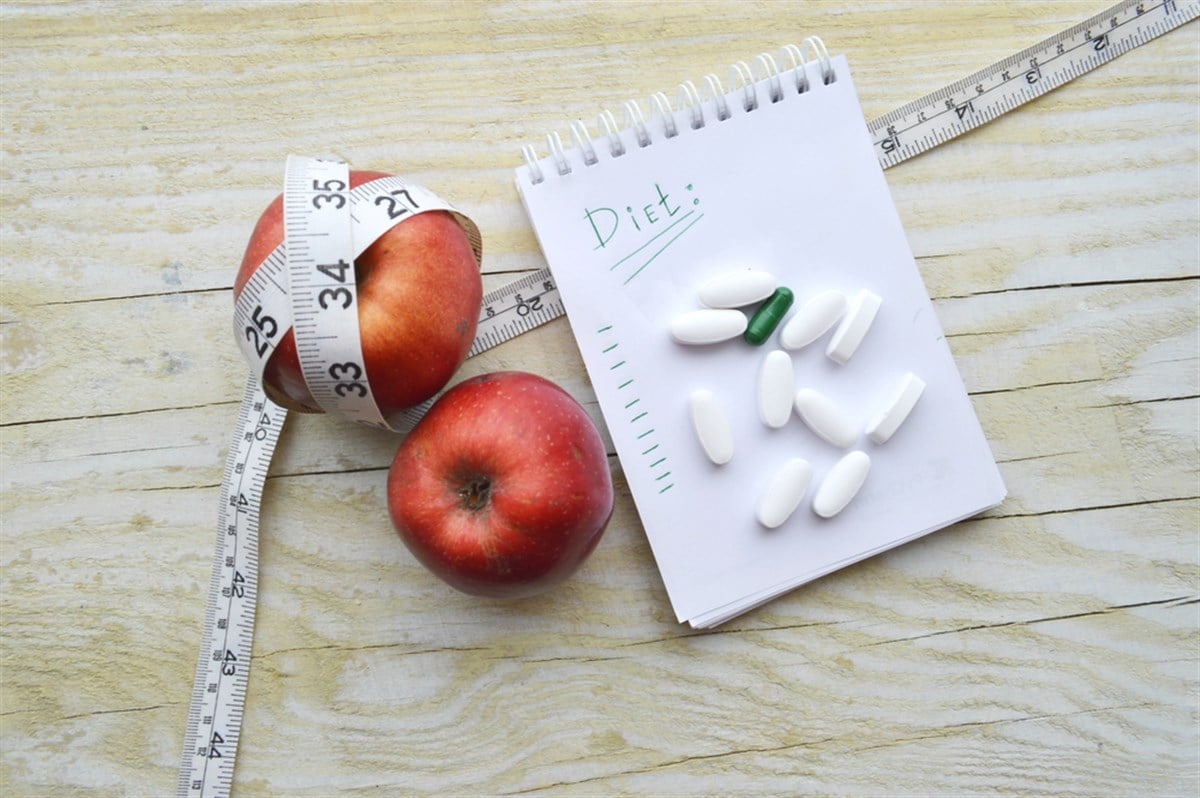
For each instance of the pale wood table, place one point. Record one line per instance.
(1050, 647)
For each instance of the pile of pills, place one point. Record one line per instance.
(722, 318)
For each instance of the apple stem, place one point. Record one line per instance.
(475, 494)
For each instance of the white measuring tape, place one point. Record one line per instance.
(997, 89)
(322, 303)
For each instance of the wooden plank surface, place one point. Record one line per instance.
(1050, 647)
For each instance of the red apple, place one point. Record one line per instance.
(419, 294)
(503, 488)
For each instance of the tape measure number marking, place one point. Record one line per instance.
(516, 308)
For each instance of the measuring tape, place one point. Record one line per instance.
(307, 285)
(267, 307)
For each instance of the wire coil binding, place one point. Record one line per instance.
(745, 81)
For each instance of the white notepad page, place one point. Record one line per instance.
(793, 188)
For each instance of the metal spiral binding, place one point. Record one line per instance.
(748, 82)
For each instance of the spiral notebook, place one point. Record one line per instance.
(775, 171)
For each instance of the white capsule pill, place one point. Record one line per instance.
(784, 492)
(737, 288)
(776, 382)
(841, 484)
(884, 426)
(708, 326)
(824, 417)
(813, 319)
(712, 426)
(854, 326)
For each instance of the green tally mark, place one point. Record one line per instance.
(637, 416)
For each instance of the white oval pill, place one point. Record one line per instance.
(813, 319)
(854, 326)
(776, 381)
(784, 492)
(708, 326)
(737, 288)
(884, 426)
(841, 484)
(824, 417)
(711, 426)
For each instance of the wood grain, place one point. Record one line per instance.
(1050, 647)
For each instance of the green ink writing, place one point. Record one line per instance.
(606, 223)
(610, 224)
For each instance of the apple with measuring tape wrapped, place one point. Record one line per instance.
(419, 295)
(503, 488)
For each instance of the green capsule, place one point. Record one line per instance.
(767, 318)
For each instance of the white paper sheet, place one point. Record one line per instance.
(793, 188)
